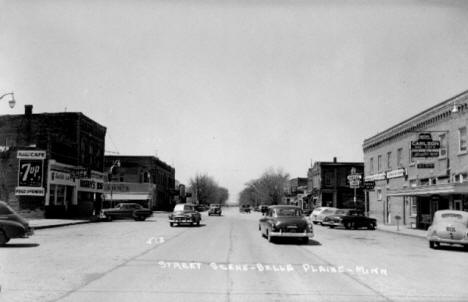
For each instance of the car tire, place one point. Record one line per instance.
(109, 218)
(171, 224)
(431, 244)
(269, 237)
(332, 226)
(3, 238)
(371, 226)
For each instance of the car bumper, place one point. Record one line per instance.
(296, 235)
(182, 220)
(448, 241)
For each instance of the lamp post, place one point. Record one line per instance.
(12, 101)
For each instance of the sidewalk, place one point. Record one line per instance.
(38, 224)
(403, 230)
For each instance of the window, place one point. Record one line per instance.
(389, 158)
(379, 194)
(371, 165)
(413, 207)
(443, 145)
(379, 163)
(462, 139)
(399, 154)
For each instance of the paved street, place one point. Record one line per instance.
(225, 259)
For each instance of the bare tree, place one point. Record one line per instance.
(207, 191)
(268, 189)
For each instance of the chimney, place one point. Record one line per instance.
(28, 110)
(334, 160)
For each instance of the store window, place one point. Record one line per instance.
(413, 207)
(52, 194)
(379, 194)
(462, 139)
(399, 157)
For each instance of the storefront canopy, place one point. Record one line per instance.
(130, 196)
(441, 189)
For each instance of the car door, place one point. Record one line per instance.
(264, 221)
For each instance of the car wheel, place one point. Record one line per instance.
(171, 224)
(433, 245)
(109, 218)
(371, 226)
(198, 223)
(347, 225)
(3, 238)
(332, 226)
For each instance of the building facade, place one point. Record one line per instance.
(51, 163)
(420, 165)
(328, 185)
(133, 171)
(295, 192)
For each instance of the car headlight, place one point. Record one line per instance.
(310, 226)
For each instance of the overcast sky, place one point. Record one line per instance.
(232, 88)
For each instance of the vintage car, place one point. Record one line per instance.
(319, 213)
(448, 227)
(12, 225)
(127, 210)
(184, 214)
(285, 221)
(244, 208)
(215, 209)
(350, 219)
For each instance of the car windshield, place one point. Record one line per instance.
(452, 217)
(341, 212)
(183, 207)
(280, 212)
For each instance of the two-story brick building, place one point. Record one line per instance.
(51, 163)
(328, 184)
(413, 183)
(143, 179)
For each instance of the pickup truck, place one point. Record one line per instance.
(127, 210)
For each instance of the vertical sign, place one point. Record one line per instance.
(30, 173)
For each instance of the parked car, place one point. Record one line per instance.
(319, 213)
(448, 227)
(127, 210)
(263, 209)
(184, 213)
(285, 221)
(215, 209)
(244, 208)
(12, 225)
(350, 219)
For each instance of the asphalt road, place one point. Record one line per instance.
(225, 259)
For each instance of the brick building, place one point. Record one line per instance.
(51, 163)
(328, 184)
(133, 171)
(414, 185)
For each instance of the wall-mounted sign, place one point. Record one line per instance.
(396, 173)
(425, 165)
(425, 146)
(379, 176)
(29, 191)
(369, 185)
(31, 154)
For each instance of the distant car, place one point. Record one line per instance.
(318, 214)
(285, 221)
(12, 225)
(127, 210)
(184, 213)
(448, 227)
(350, 219)
(244, 208)
(215, 209)
(263, 208)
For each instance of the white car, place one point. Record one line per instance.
(448, 227)
(319, 213)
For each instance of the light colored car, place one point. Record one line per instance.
(318, 214)
(448, 227)
(184, 213)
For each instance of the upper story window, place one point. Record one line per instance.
(371, 165)
(399, 157)
(443, 145)
(462, 139)
(379, 163)
(389, 160)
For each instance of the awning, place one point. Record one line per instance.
(441, 189)
(131, 196)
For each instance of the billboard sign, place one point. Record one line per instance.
(425, 146)
(30, 172)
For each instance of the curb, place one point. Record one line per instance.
(59, 225)
(399, 233)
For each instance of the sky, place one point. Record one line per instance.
(234, 88)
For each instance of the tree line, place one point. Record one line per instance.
(268, 189)
(207, 191)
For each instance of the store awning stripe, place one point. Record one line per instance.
(135, 196)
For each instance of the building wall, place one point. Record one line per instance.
(69, 138)
(136, 168)
(451, 166)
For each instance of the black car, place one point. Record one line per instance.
(215, 209)
(244, 208)
(350, 219)
(12, 225)
(285, 221)
(127, 210)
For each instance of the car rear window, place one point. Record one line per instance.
(328, 211)
(287, 212)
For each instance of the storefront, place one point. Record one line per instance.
(118, 192)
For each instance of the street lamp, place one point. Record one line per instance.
(11, 102)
